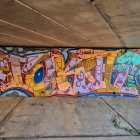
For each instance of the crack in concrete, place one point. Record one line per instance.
(119, 114)
(9, 114)
(109, 23)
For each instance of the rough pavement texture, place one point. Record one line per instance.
(66, 118)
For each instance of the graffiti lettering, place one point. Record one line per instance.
(70, 72)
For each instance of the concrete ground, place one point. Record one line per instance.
(64, 118)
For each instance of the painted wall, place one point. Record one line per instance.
(71, 72)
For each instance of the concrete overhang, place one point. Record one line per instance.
(70, 23)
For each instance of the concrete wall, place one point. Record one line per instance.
(69, 71)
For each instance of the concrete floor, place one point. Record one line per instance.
(64, 118)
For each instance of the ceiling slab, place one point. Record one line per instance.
(69, 22)
(11, 29)
(125, 17)
(12, 40)
(81, 17)
(17, 14)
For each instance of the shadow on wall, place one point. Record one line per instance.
(69, 71)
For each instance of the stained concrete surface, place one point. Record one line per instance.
(128, 108)
(63, 118)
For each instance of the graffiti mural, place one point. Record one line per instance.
(70, 72)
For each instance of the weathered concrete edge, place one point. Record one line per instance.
(74, 137)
